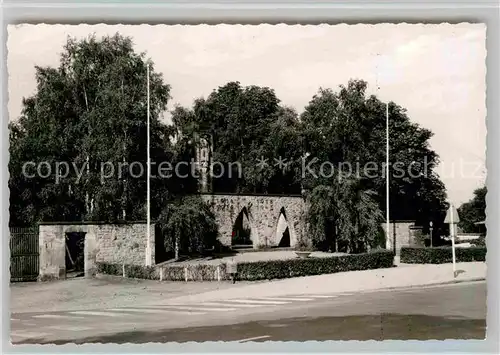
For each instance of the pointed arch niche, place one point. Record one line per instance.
(282, 234)
(242, 230)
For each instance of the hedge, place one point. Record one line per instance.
(131, 271)
(261, 270)
(441, 255)
(280, 269)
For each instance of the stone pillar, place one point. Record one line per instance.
(52, 249)
(90, 252)
(150, 245)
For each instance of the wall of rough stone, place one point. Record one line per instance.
(403, 234)
(122, 244)
(263, 215)
(107, 243)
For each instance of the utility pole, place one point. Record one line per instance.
(387, 175)
(148, 196)
(430, 227)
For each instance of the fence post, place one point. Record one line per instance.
(161, 274)
(186, 273)
(123, 270)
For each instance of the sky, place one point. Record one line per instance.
(437, 72)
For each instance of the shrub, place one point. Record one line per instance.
(261, 270)
(479, 242)
(343, 217)
(191, 223)
(280, 269)
(141, 272)
(109, 269)
(441, 255)
(131, 271)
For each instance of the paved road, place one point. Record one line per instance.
(444, 312)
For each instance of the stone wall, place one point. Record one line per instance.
(402, 232)
(107, 243)
(263, 215)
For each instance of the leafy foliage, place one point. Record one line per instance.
(280, 269)
(473, 211)
(441, 255)
(246, 124)
(264, 270)
(190, 223)
(348, 127)
(343, 217)
(344, 127)
(98, 88)
(261, 270)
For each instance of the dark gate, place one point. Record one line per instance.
(24, 254)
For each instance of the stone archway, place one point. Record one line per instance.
(282, 237)
(241, 232)
(263, 213)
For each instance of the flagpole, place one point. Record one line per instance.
(452, 234)
(387, 224)
(148, 197)
(387, 173)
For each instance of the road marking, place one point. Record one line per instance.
(146, 310)
(196, 308)
(96, 313)
(14, 320)
(225, 304)
(56, 316)
(254, 338)
(71, 329)
(286, 299)
(323, 296)
(257, 302)
(23, 334)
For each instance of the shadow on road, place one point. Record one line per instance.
(362, 327)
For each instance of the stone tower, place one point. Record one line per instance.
(203, 159)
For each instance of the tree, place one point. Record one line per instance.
(246, 124)
(188, 226)
(343, 216)
(473, 211)
(90, 111)
(347, 129)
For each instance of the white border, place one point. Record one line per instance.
(190, 12)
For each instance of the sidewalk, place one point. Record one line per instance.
(404, 275)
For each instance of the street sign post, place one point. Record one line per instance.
(452, 219)
(232, 269)
(430, 227)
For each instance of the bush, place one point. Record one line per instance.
(131, 271)
(441, 255)
(479, 242)
(191, 223)
(141, 272)
(280, 269)
(261, 270)
(109, 269)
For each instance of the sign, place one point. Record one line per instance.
(232, 267)
(452, 219)
(452, 215)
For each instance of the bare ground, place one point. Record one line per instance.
(105, 291)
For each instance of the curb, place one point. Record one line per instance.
(442, 283)
(382, 289)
